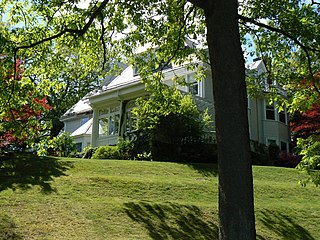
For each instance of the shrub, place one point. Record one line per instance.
(88, 152)
(259, 154)
(309, 149)
(199, 152)
(165, 119)
(106, 152)
(274, 152)
(125, 148)
(62, 146)
(287, 160)
(144, 156)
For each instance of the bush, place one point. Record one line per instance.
(309, 149)
(126, 149)
(106, 152)
(259, 154)
(274, 152)
(199, 152)
(88, 152)
(61, 146)
(287, 160)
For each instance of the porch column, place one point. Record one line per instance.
(95, 128)
(122, 124)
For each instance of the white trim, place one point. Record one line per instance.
(274, 110)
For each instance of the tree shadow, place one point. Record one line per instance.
(8, 229)
(172, 221)
(24, 171)
(206, 169)
(284, 226)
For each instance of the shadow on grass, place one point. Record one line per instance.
(172, 221)
(24, 171)
(284, 226)
(8, 229)
(206, 169)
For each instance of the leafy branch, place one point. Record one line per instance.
(305, 48)
(79, 32)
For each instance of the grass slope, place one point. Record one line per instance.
(102, 199)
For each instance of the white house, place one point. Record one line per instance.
(101, 117)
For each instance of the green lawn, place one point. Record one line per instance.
(102, 199)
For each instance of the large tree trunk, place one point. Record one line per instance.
(236, 207)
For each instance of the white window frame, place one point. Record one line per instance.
(110, 113)
(274, 111)
(285, 116)
(190, 80)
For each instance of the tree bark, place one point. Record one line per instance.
(236, 206)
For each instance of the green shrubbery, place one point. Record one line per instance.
(165, 120)
(61, 146)
(125, 148)
(106, 152)
(310, 150)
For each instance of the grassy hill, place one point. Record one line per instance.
(102, 199)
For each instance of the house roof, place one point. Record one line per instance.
(85, 129)
(253, 65)
(80, 107)
(126, 77)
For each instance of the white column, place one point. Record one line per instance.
(95, 128)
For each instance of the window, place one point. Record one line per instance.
(270, 112)
(194, 89)
(79, 147)
(283, 146)
(84, 120)
(130, 119)
(271, 142)
(109, 121)
(194, 86)
(283, 117)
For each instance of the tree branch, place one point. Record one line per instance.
(306, 49)
(79, 32)
(204, 4)
(103, 42)
(179, 38)
(277, 30)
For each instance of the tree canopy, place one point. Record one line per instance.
(104, 33)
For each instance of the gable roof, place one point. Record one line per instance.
(80, 107)
(85, 129)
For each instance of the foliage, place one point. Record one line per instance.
(88, 151)
(144, 156)
(272, 156)
(259, 154)
(108, 32)
(166, 118)
(22, 105)
(286, 159)
(285, 33)
(306, 123)
(61, 145)
(126, 148)
(309, 149)
(106, 152)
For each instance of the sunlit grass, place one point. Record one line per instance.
(104, 199)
